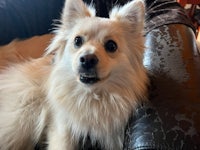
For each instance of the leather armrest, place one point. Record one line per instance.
(173, 122)
(145, 130)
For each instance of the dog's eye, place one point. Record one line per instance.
(110, 46)
(78, 41)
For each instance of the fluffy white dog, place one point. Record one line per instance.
(91, 87)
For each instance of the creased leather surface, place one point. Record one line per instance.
(173, 63)
(145, 130)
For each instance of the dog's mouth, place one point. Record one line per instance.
(89, 77)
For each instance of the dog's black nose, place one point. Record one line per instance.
(88, 61)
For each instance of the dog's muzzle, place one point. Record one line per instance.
(87, 70)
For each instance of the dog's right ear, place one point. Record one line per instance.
(74, 10)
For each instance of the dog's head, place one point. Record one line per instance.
(94, 50)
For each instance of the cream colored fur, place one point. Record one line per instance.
(40, 95)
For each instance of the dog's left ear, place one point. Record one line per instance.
(132, 13)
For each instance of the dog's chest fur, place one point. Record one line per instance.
(102, 115)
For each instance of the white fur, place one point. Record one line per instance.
(38, 94)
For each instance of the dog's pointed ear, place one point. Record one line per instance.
(75, 9)
(72, 11)
(132, 13)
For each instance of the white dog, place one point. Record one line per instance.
(91, 87)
